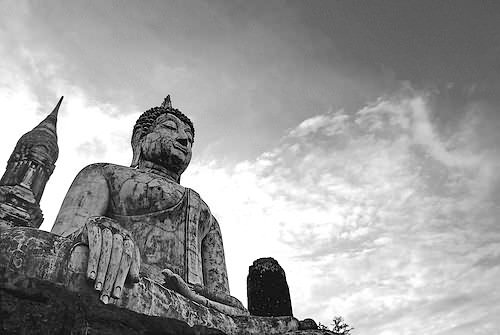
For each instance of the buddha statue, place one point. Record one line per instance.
(138, 221)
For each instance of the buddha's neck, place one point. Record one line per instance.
(159, 170)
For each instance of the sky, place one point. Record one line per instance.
(355, 142)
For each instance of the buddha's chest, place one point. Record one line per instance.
(162, 238)
(142, 193)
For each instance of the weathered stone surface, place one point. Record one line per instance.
(267, 289)
(307, 324)
(169, 227)
(310, 332)
(44, 308)
(18, 207)
(28, 170)
(134, 252)
(37, 273)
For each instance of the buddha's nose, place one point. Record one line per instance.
(183, 141)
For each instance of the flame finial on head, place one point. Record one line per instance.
(167, 103)
(146, 122)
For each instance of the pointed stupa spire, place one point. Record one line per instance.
(29, 168)
(167, 103)
(50, 122)
(56, 109)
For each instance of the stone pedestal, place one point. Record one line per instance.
(43, 290)
(267, 289)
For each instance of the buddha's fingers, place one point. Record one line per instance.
(94, 239)
(174, 282)
(133, 274)
(107, 244)
(114, 263)
(123, 268)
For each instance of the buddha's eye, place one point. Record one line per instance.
(170, 125)
(189, 135)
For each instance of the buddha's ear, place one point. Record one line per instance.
(136, 147)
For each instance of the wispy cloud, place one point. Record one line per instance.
(87, 131)
(95, 148)
(387, 215)
(375, 215)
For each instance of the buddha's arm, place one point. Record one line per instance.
(215, 291)
(112, 253)
(87, 196)
(216, 286)
(214, 261)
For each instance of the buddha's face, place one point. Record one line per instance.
(169, 143)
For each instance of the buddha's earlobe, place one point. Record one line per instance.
(136, 148)
(136, 155)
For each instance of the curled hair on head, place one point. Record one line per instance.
(145, 123)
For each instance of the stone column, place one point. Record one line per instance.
(267, 289)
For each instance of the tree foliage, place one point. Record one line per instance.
(339, 327)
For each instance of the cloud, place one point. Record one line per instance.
(94, 148)
(258, 69)
(375, 215)
(329, 124)
(87, 130)
(386, 214)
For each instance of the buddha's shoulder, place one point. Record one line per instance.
(117, 172)
(198, 202)
(106, 168)
(204, 215)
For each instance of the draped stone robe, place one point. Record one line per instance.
(171, 224)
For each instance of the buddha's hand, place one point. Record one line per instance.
(113, 256)
(175, 283)
(220, 301)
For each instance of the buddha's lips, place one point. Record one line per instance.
(181, 148)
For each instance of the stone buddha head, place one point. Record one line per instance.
(162, 138)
